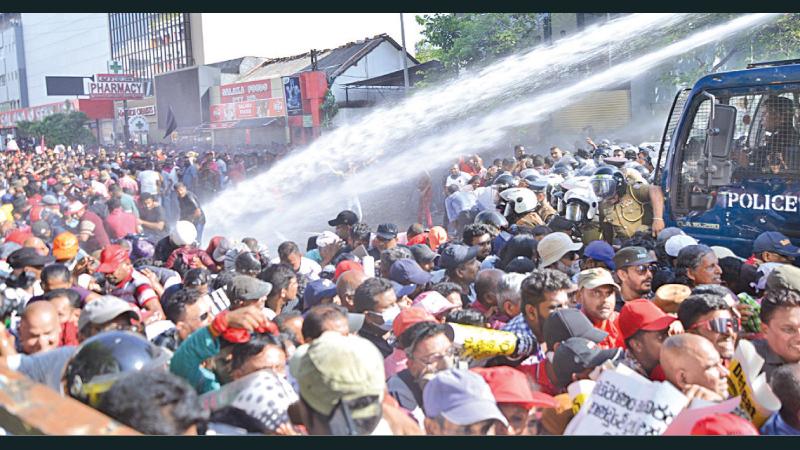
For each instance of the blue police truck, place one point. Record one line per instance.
(729, 161)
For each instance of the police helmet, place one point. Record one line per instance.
(492, 218)
(247, 262)
(522, 200)
(103, 359)
(563, 168)
(581, 204)
(607, 181)
(504, 181)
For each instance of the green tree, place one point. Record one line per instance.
(62, 128)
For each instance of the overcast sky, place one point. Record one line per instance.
(229, 35)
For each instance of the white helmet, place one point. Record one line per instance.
(581, 204)
(580, 181)
(521, 199)
(554, 179)
(184, 233)
(527, 172)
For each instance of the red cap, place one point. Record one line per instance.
(408, 317)
(509, 385)
(346, 265)
(644, 315)
(724, 424)
(111, 258)
(19, 235)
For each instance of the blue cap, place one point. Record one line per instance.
(407, 271)
(601, 251)
(402, 290)
(775, 242)
(316, 291)
(455, 255)
(461, 397)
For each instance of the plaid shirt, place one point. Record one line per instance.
(518, 325)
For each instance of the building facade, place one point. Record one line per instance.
(13, 83)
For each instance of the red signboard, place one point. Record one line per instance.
(9, 119)
(225, 112)
(248, 91)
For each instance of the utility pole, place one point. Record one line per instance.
(405, 52)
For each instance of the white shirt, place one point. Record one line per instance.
(461, 180)
(148, 182)
(308, 267)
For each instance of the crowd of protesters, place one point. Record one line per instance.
(544, 271)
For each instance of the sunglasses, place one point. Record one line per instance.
(720, 325)
(641, 270)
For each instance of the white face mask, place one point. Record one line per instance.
(388, 316)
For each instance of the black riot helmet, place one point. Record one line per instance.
(504, 181)
(607, 181)
(247, 263)
(103, 359)
(492, 218)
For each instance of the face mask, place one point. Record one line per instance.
(72, 223)
(388, 316)
(571, 270)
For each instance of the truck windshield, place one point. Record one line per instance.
(766, 143)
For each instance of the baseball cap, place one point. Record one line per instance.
(423, 253)
(554, 246)
(336, 367)
(632, 256)
(27, 257)
(316, 291)
(19, 235)
(784, 276)
(223, 246)
(74, 207)
(725, 252)
(65, 246)
(600, 251)
(402, 290)
(461, 397)
(520, 264)
(111, 258)
(643, 315)
(567, 323)
(104, 309)
(433, 302)
(266, 397)
(775, 242)
(246, 288)
(408, 317)
(49, 200)
(577, 354)
(345, 217)
(667, 233)
(41, 229)
(326, 238)
(386, 231)
(509, 385)
(676, 243)
(455, 255)
(346, 265)
(406, 271)
(592, 278)
(723, 424)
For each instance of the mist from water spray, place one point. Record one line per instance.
(468, 137)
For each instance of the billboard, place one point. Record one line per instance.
(225, 112)
(9, 119)
(64, 85)
(294, 101)
(116, 87)
(247, 91)
(187, 92)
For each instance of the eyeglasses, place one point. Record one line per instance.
(436, 358)
(720, 325)
(641, 270)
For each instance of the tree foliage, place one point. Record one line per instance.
(62, 128)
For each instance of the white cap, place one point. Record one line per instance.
(327, 238)
(554, 246)
(675, 244)
(724, 252)
(184, 233)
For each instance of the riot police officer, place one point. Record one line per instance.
(543, 209)
(520, 205)
(626, 208)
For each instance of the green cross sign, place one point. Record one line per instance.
(115, 67)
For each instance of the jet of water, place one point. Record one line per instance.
(480, 134)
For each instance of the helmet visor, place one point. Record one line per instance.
(604, 186)
(574, 212)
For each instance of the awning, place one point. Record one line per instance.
(247, 123)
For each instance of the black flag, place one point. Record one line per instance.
(172, 124)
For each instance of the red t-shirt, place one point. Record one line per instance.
(610, 326)
(121, 223)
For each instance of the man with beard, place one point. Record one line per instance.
(712, 317)
(596, 295)
(477, 235)
(634, 271)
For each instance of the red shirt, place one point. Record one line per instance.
(610, 326)
(121, 223)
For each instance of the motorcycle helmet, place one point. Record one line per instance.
(103, 359)
(492, 218)
(581, 204)
(563, 168)
(504, 181)
(607, 181)
(521, 200)
(580, 181)
(529, 173)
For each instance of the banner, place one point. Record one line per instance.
(698, 409)
(745, 381)
(479, 342)
(294, 98)
(625, 403)
(226, 112)
(140, 111)
(247, 91)
(9, 119)
(116, 87)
